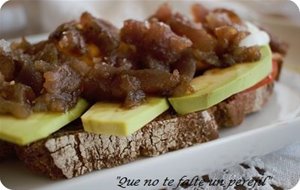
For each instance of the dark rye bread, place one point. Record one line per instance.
(70, 153)
(232, 111)
(73, 153)
(6, 150)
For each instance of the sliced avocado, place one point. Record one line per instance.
(112, 119)
(218, 84)
(37, 125)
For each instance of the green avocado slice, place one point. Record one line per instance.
(111, 119)
(218, 84)
(37, 125)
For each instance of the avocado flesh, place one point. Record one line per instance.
(112, 119)
(218, 84)
(37, 125)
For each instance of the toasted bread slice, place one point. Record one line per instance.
(6, 150)
(70, 153)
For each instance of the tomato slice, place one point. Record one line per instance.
(269, 79)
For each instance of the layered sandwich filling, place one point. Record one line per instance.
(168, 56)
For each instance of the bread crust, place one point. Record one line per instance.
(6, 150)
(71, 153)
(232, 111)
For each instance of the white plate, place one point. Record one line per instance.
(272, 128)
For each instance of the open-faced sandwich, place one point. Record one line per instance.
(93, 96)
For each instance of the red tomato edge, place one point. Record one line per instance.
(269, 79)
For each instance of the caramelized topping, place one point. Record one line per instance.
(93, 59)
